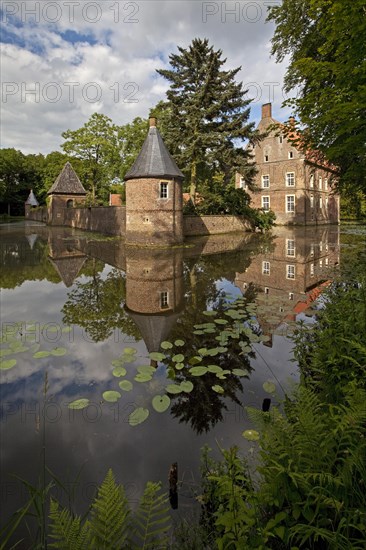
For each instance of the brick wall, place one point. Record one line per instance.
(39, 214)
(110, 220)
(211, 225)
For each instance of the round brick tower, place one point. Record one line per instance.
(154, 195)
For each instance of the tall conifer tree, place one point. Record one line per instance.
(208, 113)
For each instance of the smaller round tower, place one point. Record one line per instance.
(154, 199)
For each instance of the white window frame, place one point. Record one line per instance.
(269, 203)
(242, 184)
(311, 270)
(320, 182)
(311, 201)
(311, 181)
(290, 179)
(164, 190)
(266, 267)
(290, 271)
(267, 181)
(290, 247)
(326, 184)
(320, 202)
(164, 299)
(292, 211)
(266, 157)
(290, 154)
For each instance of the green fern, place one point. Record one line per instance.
(67, 531)
(152, 519)
(109, 516)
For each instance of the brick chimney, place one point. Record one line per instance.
(152, 122)
(267, 110)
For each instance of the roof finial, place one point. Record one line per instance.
(153, 122)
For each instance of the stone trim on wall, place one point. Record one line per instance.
(214, 225)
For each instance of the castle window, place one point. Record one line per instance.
(265, 181)
(290, 179)
(290, 272)
(290, 296)
(266, 268)
(163, 190)
(290, 155)
(311, 201)
(312, 270)
(320, 182)
(312, 180)
(320, 202)
(281, 139)
(242, 183)
(290, 247)
(326, 184)
(265, 203)
(290, 203)
(164, 300)
(266, 158)
(70, 203)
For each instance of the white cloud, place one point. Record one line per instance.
(112, 69)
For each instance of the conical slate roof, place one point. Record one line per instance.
(154, 329)
(154, 160)
(67, 183)
(32, 199)
(68, 268)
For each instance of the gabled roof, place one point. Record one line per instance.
(67, 183)
(32, 199)
(154, 160)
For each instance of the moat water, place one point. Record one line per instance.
(131, 359)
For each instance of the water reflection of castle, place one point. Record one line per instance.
(291, 276)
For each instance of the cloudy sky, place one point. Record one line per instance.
(64, 60)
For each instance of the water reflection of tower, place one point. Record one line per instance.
(154, 292)
(64, 255)
(292, 276)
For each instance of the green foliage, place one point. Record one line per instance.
(324, 41)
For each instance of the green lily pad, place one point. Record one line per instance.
(119, 371)
(173, 388)
(186, 386)
(251, 435)
(166, 345)
(215, 369)
(6, 351)
(240, 372)
(218, 389)
(269, 387)
(179, 343)
(79, 404)
(125, 385)
(6, 365)
(41, 354)
(178, 358)
(111, 396)
(156, 356)
(202, 351)
(143, 377)
(209, 330)
(146, 369)
(138, 416)
(195, 360)
(117, 362)
(199, 332)
(161, 403)
(210, 313)
(221, 321)
(59, 352)
(129, 351)
(179, 366)
(66, 330)
(198, 371)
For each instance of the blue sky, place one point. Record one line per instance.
(62, 61)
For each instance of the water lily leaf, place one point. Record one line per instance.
(194, 360)
(8, 364)
(173, 388)
(186, 386)
(269, 387)
(125, 385)
(221, 375)
(198, 371)
(265, 338)
(128, 358)
(218, 389)
(251, 435)
(58, 352)
(41, 354)
(212, 352)
(117, 362)
(178, 358)
(179, 343)
(129, 351)
(198, 332)
(6, 351)
(245, 348)
(66, 330)
(138, 416)
(34, 347)
(179, 366)
(79, 404)
(221, 349)
(146, 369)
(209, 330)
(119, 371)
(166, 345)
(156, 356)
(221, 321)
(240, 372)
(143, 377)
(111, 396)
(20, 349)
(210, 313)
(215, 369)
(202, 351)
(161, 403)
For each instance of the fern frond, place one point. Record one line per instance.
(66, 530)
(152, 520)
(109, 518)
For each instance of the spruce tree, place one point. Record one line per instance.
(208, 115)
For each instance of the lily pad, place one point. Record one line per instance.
(41, 354)
(79, 404)
(129, 351)
(111, 396)
(146, 369)
(119, 371)
(179, 343)
(117, 362)
(66, 330)
(59, 352)
(195, 360)
(161, 403)
(210, 313)
(221, 321)
(240, 372)
(202, 351)
(166, 345)
(156, 356)
(269, 387)
(215, 369)
(178, 358)
(143, 377)
(125, 385)
(199, 332)
(138, 416)
(179, 366)
(251, 435)
(198, 371)
(218, 389)
(6, 365)
(186, 386)
(173, 388)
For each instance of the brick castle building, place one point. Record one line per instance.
(292, 184)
